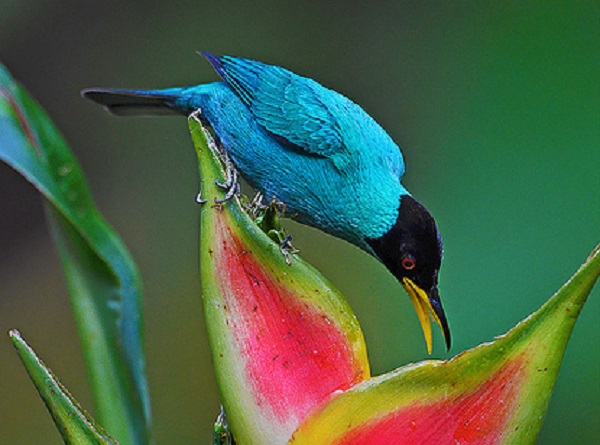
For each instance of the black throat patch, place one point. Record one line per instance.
(414, 233)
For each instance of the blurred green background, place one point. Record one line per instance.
(496, 106)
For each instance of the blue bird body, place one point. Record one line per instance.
(346, 190)
(311, 148)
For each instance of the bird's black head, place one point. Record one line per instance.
(412, 252)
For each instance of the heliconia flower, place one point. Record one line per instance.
(282, 337)
(291, 362)
(496, 393)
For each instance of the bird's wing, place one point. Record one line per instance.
(295, 108)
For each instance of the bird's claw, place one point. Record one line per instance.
(232, 177)
(231, 184)
(199, 199)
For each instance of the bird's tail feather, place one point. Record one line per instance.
(135, 102)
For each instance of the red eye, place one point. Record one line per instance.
(408, 263)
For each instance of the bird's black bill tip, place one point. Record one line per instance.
(440, 317)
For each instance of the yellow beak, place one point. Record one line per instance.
(425, 311)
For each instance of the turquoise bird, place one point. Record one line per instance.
(320, 154)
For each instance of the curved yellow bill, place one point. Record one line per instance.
(425, 311)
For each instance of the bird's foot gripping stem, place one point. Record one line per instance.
(232, 176)
(232, 179)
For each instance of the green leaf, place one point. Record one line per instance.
(75, 425)
(282, 338)
(104, 284)
(496, 393)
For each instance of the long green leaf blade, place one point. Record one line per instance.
(74, 424)
(103, 281)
